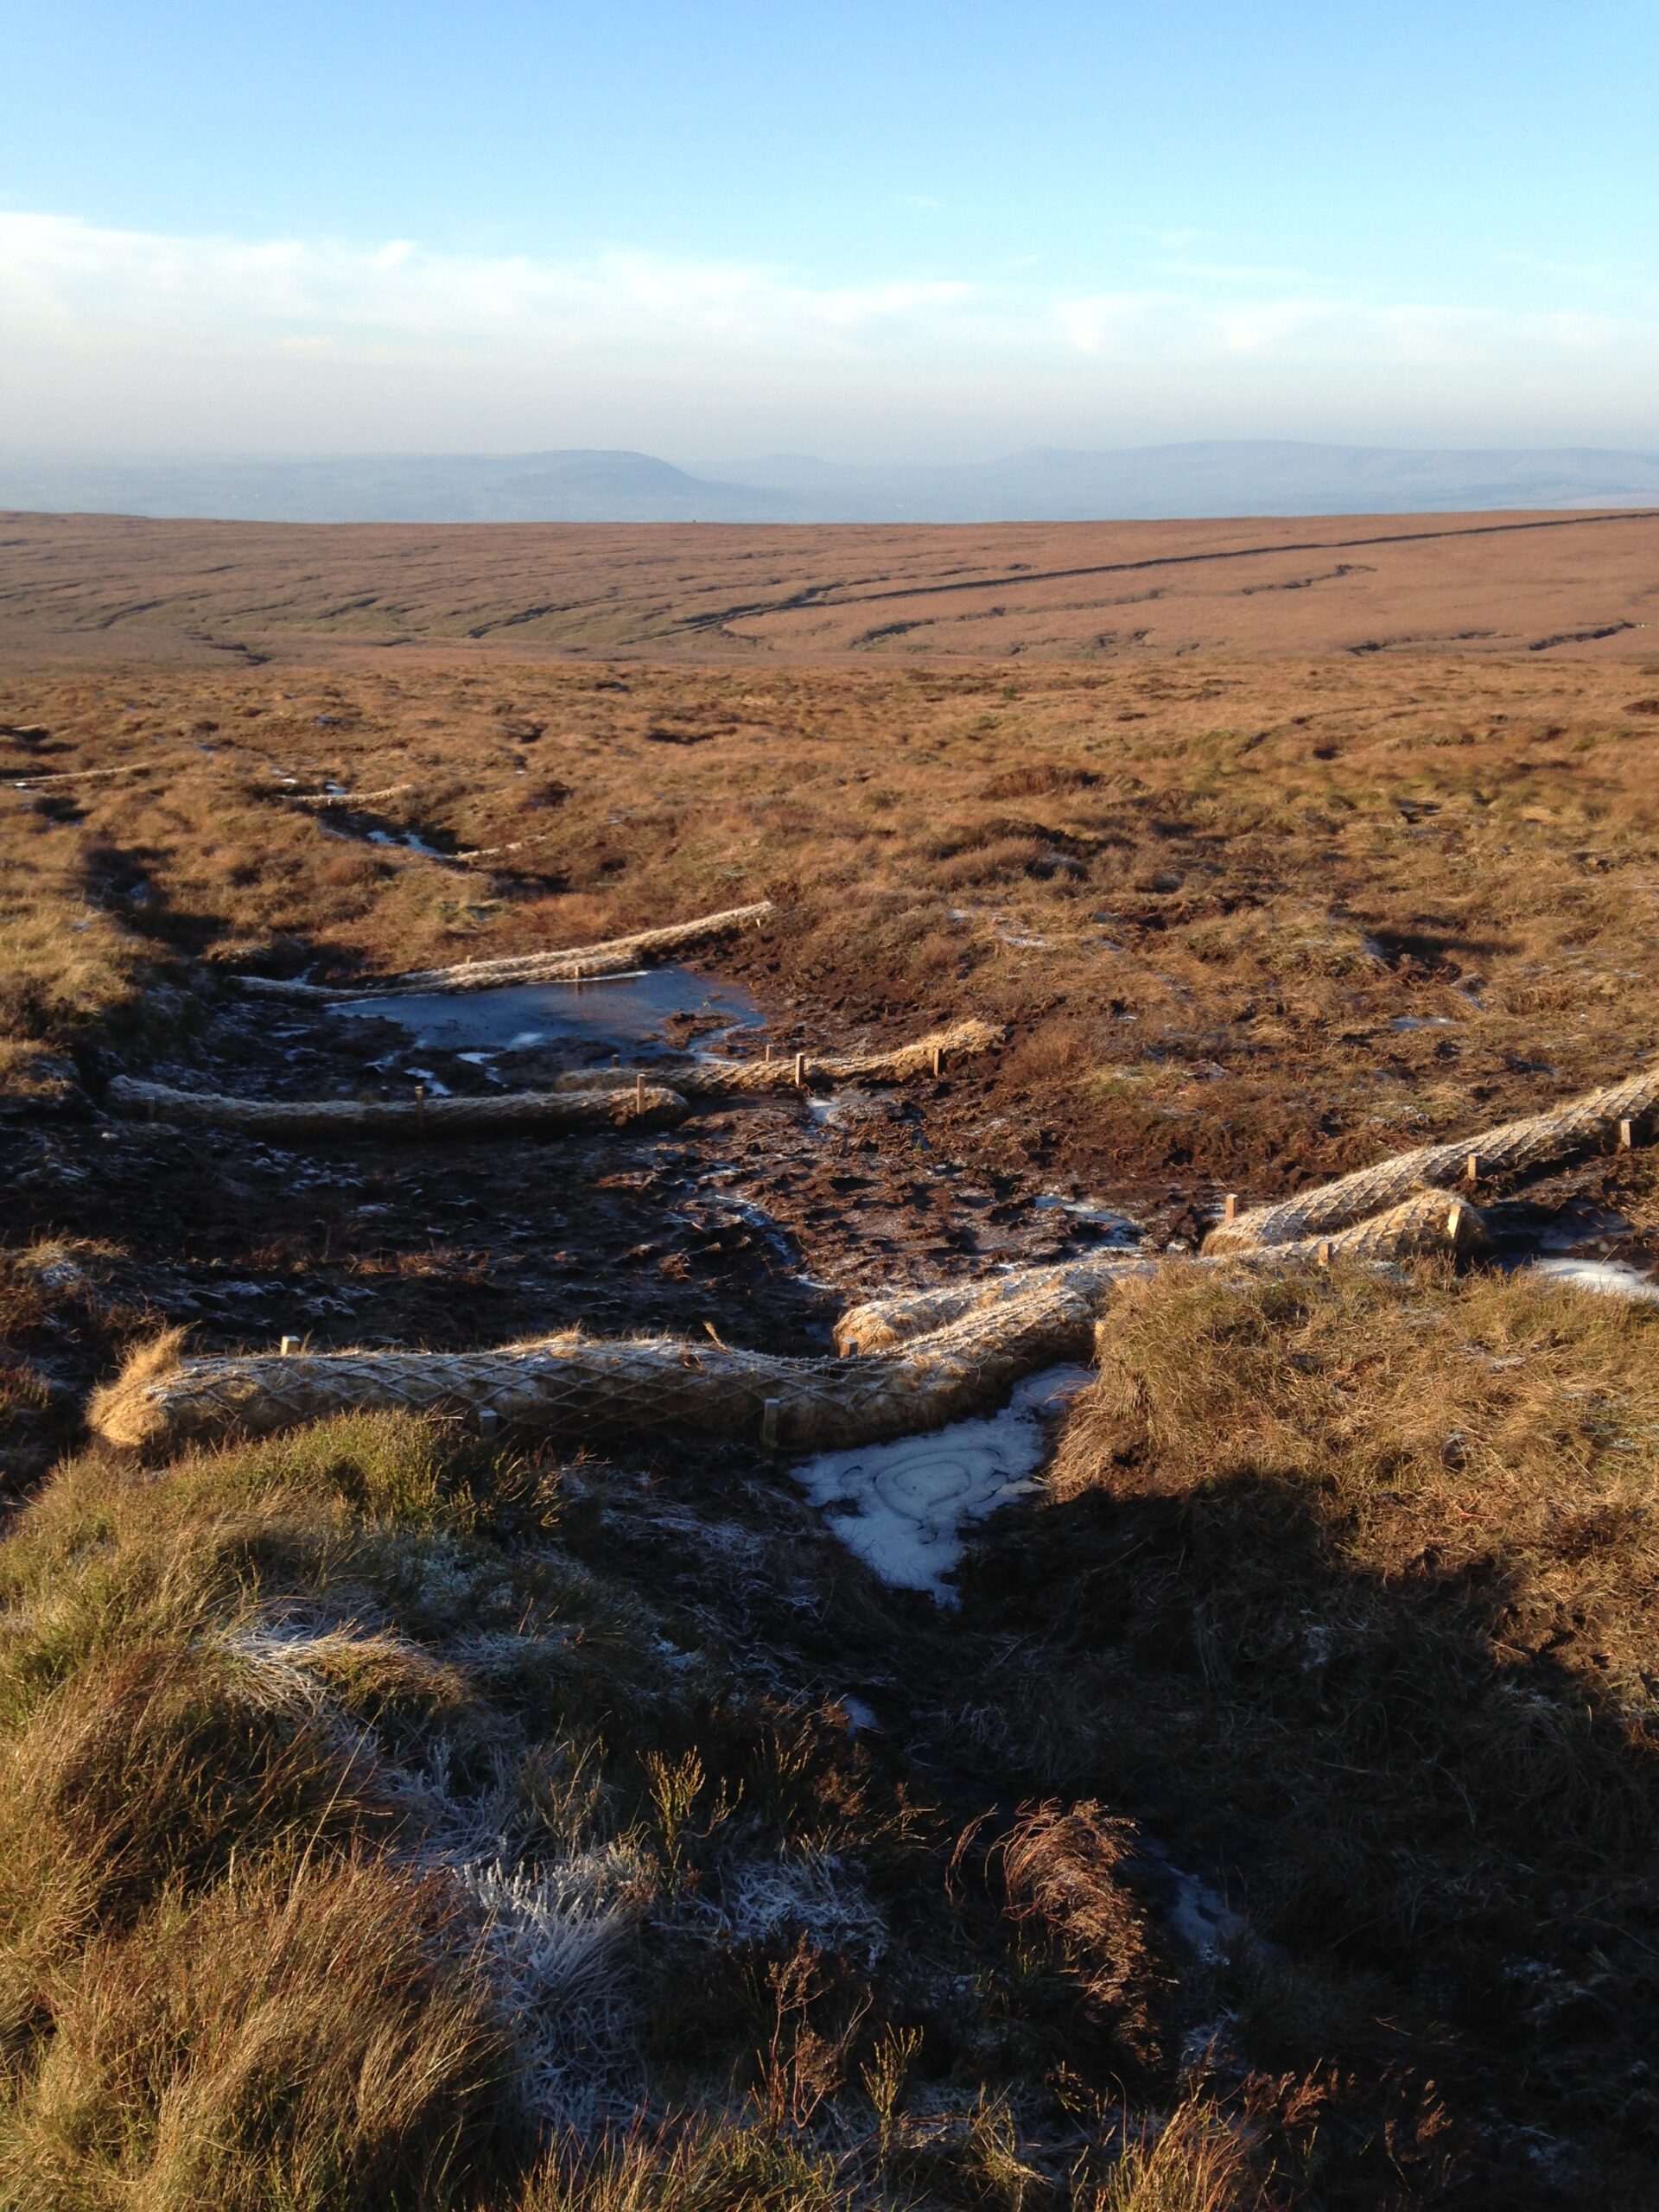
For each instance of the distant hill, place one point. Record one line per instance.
(578, 487)
(1239, 477)
(1230, 478)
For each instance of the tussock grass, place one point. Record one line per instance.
(304, 2035)
(232, 1705)
(1346, 1587)
(1064, 1867)
(704, 2168)
(358, 1844)
(1365, 1569)
(1491, 1426)
(1195, 2163)
(67, 971)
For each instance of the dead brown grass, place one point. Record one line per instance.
(1345, 1587)
(1355, 1581)
(1556, 586)
(1064, 1867)
(307, 2034)
(1195, 2163)
(1261, 920)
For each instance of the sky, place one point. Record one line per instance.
(909, 231)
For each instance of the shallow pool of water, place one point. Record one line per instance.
(620, 1011)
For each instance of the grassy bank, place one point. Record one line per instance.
(1352, 1582)
(359, 1846)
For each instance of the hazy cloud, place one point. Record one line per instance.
(113, 338)
(64, 270)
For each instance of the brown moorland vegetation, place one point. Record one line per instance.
(1359, 584)
(393, 1818)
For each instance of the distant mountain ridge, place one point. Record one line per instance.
(1218, 478)
(582, 485)
(1236, 477)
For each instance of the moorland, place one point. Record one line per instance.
(398, 1815)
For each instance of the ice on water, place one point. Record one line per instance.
(902, 1506)
(613, 1010)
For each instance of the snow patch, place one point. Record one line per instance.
(902, 1506)
(1613, 1278)
(1202, 1919)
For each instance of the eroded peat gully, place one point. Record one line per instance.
(1236, 1749)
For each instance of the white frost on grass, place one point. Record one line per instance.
(550, 1939)
(902, 1506)
(1613, 1278)
(810, 1892)
(552, 1929)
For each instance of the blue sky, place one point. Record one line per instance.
(906, 231)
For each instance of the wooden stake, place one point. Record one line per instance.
(800, 1070)
(768, 1059)
(1325, 1251)
(769, 1424)
(1626, 1135)
(1454, 1219)
(1230, 1206)
(939, 1060)
(639, 1094)
(488, 1421)
(289, 1347)
(1472, 1170)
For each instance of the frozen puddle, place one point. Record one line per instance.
(1613, 1278)
(1115, 1227)
(618, 1010)
(843, 1106)
(410, 841)
(902, 1506)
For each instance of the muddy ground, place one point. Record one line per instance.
(757, 1218)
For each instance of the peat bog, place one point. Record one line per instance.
(396, 1815)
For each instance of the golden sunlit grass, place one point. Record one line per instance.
(1134, 593)
(1247, 917)
(359, 1848)
(1345, 1583)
